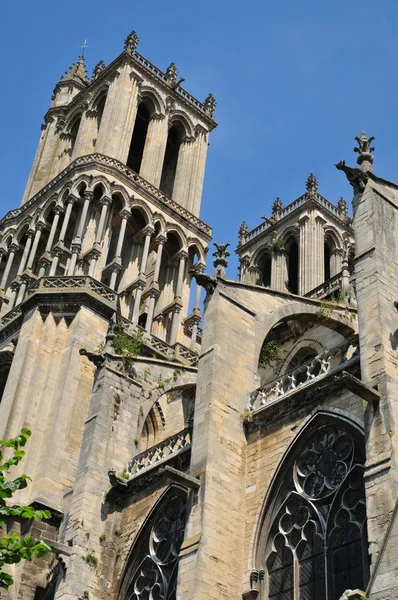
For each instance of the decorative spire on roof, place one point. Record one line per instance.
(210, 105)
(365, 156)
(172, 73)
(98, 69)
(131, 42)
(243, 233)
(277, 207)
(342, 206)
(220, 260)
(77, 72)
(312, 185)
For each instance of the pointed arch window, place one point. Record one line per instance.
(317, 541)
(153, 566)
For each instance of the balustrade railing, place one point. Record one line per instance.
(161, 452)
(70, 283)
(306, 374)
(331, 285)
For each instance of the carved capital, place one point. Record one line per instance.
(124, 214)
(157, 117)
(160, 239)
(88, 195)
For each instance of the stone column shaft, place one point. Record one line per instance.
(66, 220)
(86, 203)
(53, 230)
(101, 224)
(180, 276)
(34, 248)
(120, 239)
(7, 269)
(86, 134)
(145, 251)
(25, 254)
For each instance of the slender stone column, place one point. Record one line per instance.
(88, 196)
(13, 296)
(58, 211)
(54, 264)
(64, 153)
(155, 146)
(69, 205)
(95, 254)
(183, 256)
(183, 176)
(318, 258)
(137, 301)
(174, 325)
(124, 214)
(12, 250)
(303, 255)
(336, 261)
(148, 232)
(176, 312)
(77, 242)
(39, 228)
(161, 240)
(26, 251)
(105, 203)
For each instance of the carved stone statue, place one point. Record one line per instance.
(356, 177)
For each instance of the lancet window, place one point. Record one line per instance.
(152, 568)
(292, 266)
(317, 541)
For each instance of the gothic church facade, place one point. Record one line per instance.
(252, 457)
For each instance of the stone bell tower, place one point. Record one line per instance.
(305, 248)
(108, 229)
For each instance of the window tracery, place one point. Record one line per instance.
(317, 546)
(155, 577)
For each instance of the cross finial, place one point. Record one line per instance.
(84, 46)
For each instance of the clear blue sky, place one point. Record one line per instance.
(295, 81)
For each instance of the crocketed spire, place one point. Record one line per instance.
(77, 72)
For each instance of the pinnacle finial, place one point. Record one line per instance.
(342, 206)
(311, 184)
(210, 105)
(277, 206)
(243, 233)
(77, 72)
(364, 150)
(220, 260)
(99, 67)
(172, 73)
(131, 42)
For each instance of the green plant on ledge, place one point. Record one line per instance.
(326, 310)
(126, 345)
(277, 244)
(270, 352)
(91, 559)
(124, 474)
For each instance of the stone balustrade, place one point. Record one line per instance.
(330, 286)
(71, 283)
(161, 453)
(306, 374)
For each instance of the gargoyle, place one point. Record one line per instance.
(357, 178)
(115, 480)
(206, 281)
